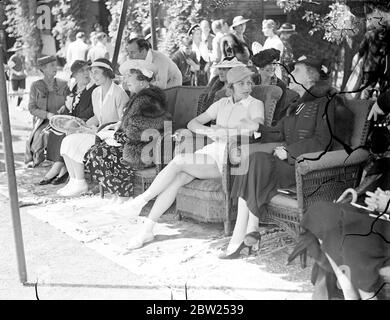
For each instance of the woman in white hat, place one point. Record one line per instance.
(112, 162)
(239, 26)
(237, 114)
(108, 101)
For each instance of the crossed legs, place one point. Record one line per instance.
(180, 171)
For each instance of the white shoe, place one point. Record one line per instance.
(66, 187)
(138, 241)
(133, 206)
(76, 189)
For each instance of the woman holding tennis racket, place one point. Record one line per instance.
(108, 101)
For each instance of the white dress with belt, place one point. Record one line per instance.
(228, 115)
(109, 109)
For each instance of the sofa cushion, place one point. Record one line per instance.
(284, 201)
(210, 189)
(148, 173)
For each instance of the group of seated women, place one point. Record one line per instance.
(112, 150)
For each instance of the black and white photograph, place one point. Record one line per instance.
(194, 155)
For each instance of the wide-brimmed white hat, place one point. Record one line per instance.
(229, 63)
(239, 20)
(147, 69)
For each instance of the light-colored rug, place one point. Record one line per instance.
(183, 252)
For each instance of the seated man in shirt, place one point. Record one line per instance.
(168, 74)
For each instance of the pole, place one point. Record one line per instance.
(152, 25)
(9, 163)
(125, 6)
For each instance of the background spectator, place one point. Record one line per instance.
(168, 74)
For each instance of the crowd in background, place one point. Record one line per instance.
(116, 110)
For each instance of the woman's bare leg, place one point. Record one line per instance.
(240, 227)
(54, 170)
(197, 165)
(253, 223)
(189, 169)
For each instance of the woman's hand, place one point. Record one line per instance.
(375, 112)
(281, 153)
(377, 201)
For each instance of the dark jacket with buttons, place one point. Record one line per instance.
(308, 124)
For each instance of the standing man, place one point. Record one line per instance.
(207, 37)
(185, 60)
(100, 50)
(238, 28)
(17, 73)
(168, 74)
(77, 50)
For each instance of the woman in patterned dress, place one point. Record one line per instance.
(112, 162)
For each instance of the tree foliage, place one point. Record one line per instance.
(22, 25)
(70, 16)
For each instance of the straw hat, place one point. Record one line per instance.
(239, 20)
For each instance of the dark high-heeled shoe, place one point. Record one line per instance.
(45, 181)
(236, 254)
(60, 180)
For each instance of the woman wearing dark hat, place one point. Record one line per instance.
(47, 96)
(113, 164)
(287, 57)
(239, 111)
(267, 61)
(202, 56)
(108, 101)
(78, 104)
(303, 130)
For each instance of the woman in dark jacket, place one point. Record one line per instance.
(113, 161)
(78, 104)
(304, 129)
(357, 243)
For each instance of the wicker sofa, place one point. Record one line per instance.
(208, 200)
(324, 179)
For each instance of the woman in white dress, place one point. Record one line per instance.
(273, 41)
(239, 111)
(108, 101)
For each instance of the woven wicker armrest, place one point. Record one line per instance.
(308, 162)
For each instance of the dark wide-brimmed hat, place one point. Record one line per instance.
(78, 65)
(287, 27)
(45, 60)
(193, 28)
(265, 57)
(319, 64)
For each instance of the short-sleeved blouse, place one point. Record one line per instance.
(229, 114)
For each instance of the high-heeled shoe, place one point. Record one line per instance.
(46, 181)
(253, 239)
(236, 254)
(60, 180)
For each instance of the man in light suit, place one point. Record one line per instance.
(168, 74)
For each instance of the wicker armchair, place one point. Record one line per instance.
(323, 179)
(209, 200)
